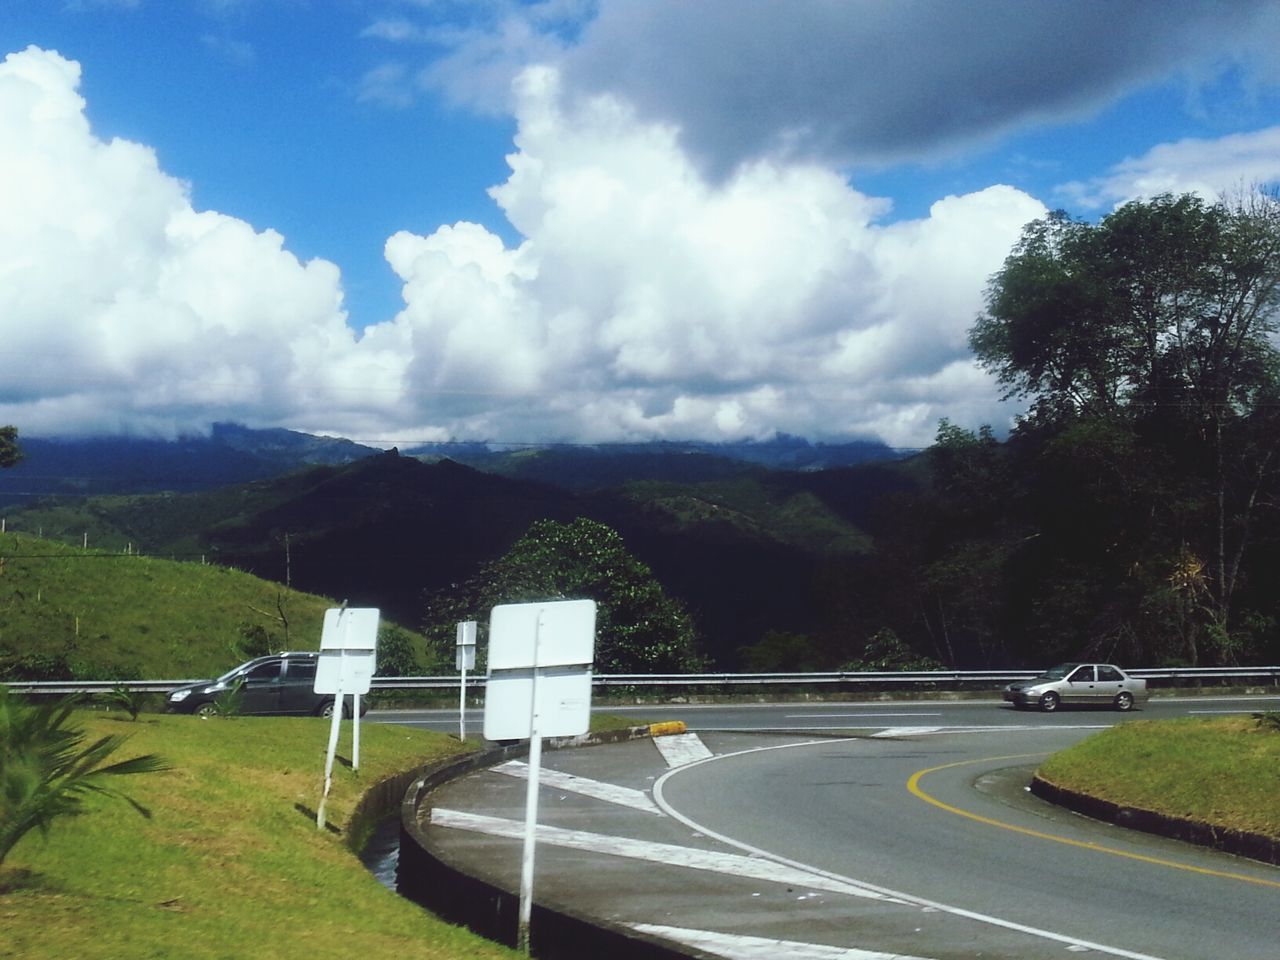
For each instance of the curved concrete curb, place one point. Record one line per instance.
(556, 932)
(1241, 843)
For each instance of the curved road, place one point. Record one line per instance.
(946, 819)
(925, 805)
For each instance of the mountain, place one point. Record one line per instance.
(744, 553)
(129, 465)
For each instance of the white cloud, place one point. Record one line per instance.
(646, 301)
(1209, 168)
(643, 301)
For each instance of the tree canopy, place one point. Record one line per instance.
(639, 628)
(1146, 347)
(9, 450)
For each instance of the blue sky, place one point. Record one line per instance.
(719, 219)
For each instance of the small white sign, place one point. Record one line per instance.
(564, 698)
(348, 651)
(466, 648)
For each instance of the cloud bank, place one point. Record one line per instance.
(648, 296)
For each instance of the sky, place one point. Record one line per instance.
(586, 221)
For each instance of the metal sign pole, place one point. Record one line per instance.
(355, 731)
(530, 804)
(462, 705)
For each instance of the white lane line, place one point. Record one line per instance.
(761, 948)
(895, 895)
(732, 864)
(681, 749)
(595, 789)
(842, 716)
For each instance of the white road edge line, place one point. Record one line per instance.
(1071, 942)
(738, 947)
(733, 864)
(596, 789)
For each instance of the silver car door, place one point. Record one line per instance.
(1079, 686)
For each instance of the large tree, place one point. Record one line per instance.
(639, 627)
(1160, 322)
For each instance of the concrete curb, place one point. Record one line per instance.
(556, 932)
(1255, 846)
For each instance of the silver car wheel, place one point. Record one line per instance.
(1049, 702)
(1124, 700)
(207, 710)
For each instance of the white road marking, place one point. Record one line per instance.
(595, 789)
(681, 749)
(762, 948)
(844, 716)
(905, 731)
(893, 895)
(732, 864)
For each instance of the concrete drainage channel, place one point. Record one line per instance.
(400, 855)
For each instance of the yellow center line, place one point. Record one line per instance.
(913, 785)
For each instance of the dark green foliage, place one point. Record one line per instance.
(130, 701)
(884, 652)
(1269, 720)
(396, 654)
(639, 628)
(46, 768)
(10, 453)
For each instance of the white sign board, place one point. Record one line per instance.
(348, 651)
(553, 643)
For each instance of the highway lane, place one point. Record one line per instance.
(836, 717)
(926, 802)
(971, 841)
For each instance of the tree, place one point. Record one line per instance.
(639, 628)
(46, 768)
(1160, 321)
(9, 450)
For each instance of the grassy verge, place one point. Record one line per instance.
(231, 863)
(1224, 772)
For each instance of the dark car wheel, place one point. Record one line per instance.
(326, 710)
(1124, 700)
(1049, 702)
(207, 710)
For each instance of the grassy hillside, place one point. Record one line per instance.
(113, 615)
(230, 863)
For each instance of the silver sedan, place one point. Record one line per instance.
(1102, 684)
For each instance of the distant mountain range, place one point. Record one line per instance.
(233, 454)
(741, 544)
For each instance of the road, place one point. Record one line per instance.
(912, 836)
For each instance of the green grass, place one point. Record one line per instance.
(228, 866)
(120, 616)
(1224, 772)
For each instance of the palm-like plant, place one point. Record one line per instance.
(47, 769)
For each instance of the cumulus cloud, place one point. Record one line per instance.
(643, 300)
(122, 308)
(1210, 168)
(646, 300)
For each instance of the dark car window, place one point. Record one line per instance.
(1109, 673)
(1083, 675)
(264, 672)
(297, 671)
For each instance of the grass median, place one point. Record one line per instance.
(230, 863)
(1224, 771)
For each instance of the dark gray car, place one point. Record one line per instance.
(281, 684)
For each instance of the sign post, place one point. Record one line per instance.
(466, 660)
(348, 658)
(539, 684)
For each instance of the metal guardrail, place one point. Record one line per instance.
(1159, 675)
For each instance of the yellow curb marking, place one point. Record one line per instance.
(913, 785)
(667, 727)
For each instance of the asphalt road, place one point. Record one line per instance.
(913, 836)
